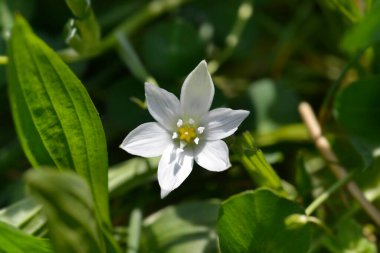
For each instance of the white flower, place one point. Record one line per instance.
(185, 130)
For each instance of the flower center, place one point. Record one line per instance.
(187, 133)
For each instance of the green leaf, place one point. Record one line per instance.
(185, 228)
(25, 215)
(349, 238)
(366, 32)
(15, 241)
(357, 108)
(353, 153)
(256, 165)
(70, 210)
(253, 222)
(79, 7)
(127, 175)
(55, 118)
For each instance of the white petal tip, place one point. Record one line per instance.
(123, 146)
(203, 64)
(164, 193)
(246, 112)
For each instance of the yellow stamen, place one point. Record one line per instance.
(187, 133)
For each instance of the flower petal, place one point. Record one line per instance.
(162, 105)
(197, 92)
(213, 155)
(222, 122)
(147, 140)
(173, 168)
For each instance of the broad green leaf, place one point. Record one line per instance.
(366, 32)
(70, 210)
(357, 108)
(55, 118)
(25, 215)
(253, 222)
(349, 238)
(15, 241)
(353, 153)
(185, 228)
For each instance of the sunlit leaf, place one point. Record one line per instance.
(257, 166)
(127, 175)
(253, 222)
(366, 32)
(15, 241)
(55, 118)
(185, 228)
(25, 215)
(68, 204)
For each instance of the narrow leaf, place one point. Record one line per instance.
(15, 241)
(55, 118)
(69, 207)
(25, 215)
(256, 165)
(79, 7)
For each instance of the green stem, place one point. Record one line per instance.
(134, 231)
(132, 60)
(3, 60)
(130, 25)
(232, 40)
(345, 12)
(324, 196)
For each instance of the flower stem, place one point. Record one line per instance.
(244, 13)
(130, 25)
(327, 103)
(324, 196)
(129, 56)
